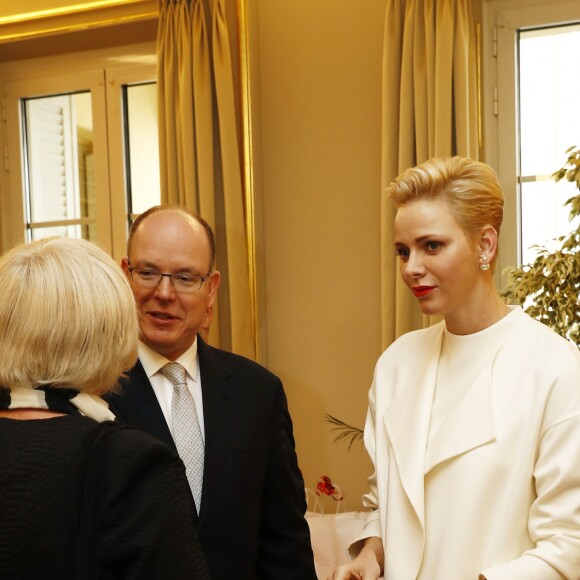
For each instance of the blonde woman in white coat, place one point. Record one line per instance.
(474, 423)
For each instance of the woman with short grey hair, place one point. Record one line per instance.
(81, 496)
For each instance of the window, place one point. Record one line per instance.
(529, 94)
(142, 147)
(81, 149)
(549, 124)
(58, 166)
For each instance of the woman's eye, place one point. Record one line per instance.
(433, 246)
(403, 253)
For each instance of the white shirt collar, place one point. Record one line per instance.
(152, 361)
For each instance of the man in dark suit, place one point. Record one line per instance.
(251, 518)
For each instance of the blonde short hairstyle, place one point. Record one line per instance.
(67, 317)
(471, 188)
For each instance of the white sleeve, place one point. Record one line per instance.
(554, 520)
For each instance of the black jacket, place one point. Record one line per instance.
(252, 521)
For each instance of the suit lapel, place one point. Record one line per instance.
(137, 405)
(219, 409)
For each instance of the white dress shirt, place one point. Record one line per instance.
(152, 363)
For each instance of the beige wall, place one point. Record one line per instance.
(319, 91)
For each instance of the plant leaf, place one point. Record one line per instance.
(346, 432)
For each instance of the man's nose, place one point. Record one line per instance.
(165, 289)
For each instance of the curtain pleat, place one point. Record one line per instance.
(429, 110)
(204, 115)
(237, 250)
(200, 157)
(184, 104)
(166, 109)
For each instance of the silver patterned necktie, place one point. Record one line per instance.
(186, 430)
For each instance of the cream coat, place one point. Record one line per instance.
(499, 484)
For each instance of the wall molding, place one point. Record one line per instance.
(82, 16)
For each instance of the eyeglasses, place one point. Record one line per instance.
(184, 283)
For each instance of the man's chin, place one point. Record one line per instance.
(159, 343)
(166, 344)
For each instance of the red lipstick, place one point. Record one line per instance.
(420, 291)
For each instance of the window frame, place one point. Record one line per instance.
(103, 73)
(501, 23)
(117, 78)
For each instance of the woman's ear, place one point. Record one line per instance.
(488, 239)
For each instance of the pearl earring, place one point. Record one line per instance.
(483, 265)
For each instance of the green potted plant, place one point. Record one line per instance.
(549, 287)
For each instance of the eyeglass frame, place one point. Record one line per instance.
(131, 268)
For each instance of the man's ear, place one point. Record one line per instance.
(204, 330)
(488, 239)
(214, 284)
(125, 267)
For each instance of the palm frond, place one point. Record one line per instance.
(346, 432)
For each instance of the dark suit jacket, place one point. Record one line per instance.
(251, 523)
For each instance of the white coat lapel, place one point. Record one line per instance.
(468, 426)
(407, 419)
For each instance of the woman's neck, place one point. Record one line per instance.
(479, 315)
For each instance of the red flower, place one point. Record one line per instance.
(324, 486)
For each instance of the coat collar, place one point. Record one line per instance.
(406, 420)
(470, 425)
